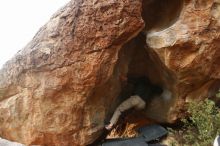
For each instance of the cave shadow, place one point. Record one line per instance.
(136, 59)
(141, 64)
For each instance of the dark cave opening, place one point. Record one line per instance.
(135, 60)
(142, 61)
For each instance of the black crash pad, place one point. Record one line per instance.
(152, 132)
(139, 141)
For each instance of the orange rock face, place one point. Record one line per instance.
(51, 90)
(63, 86)
(190, 49)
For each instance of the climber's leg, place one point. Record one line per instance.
(132, 102)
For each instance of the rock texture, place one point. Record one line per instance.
(190, 48)
(57, 90)
(63, 86)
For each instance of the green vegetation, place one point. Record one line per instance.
(201, 127)
(218, 94)
(203, 124)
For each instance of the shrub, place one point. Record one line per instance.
(218, 94)
(201, 128)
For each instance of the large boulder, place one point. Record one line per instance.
(62, 87)
(58, 89)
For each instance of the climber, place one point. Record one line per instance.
(143, 90)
